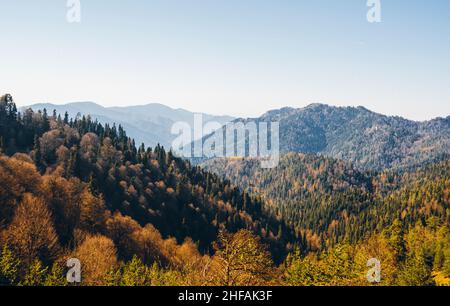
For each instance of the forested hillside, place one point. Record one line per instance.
(328, 201)
(150, 185)
(74, 188)
(369, 140)
(87, 179)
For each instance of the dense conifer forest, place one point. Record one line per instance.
(328, 201)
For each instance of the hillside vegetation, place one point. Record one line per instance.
(327, 201)
(368, 140)
(74, 188)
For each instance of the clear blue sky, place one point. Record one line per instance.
(238, 57)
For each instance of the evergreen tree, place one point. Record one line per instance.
(135, 273)
(56, 277)
(415, 272)
(397, 240)
(66, 118)
(36, 274)
(446, 265)
(37, 153)
(45, 121)
(113, 278)
(9, 267)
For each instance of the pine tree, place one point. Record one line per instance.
(9, 267)
(446, 265)
(397, 240)
(113, 277)
(2, 144)
(135, 273)
(35, 275)
(45, 121)
(56, 277)
(37, 153)
(415, 272)
(66, 118)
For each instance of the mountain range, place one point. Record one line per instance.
(149, 124)
(367, 139)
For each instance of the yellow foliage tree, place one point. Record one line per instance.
(241, 260)
(31, 233)
(97, 255)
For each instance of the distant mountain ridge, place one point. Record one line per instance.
(356, 134)
(367, 139)
(150, 124)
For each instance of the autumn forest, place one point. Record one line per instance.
(140, 216)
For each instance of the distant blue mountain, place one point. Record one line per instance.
(150, 124)
(356, 134)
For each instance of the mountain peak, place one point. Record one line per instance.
(367, 139)
(317, 105)
(84, 103)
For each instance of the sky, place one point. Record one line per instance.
(234, 57)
